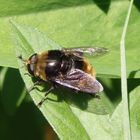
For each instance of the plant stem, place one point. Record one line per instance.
(126, 115)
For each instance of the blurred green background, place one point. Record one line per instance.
(19, 117)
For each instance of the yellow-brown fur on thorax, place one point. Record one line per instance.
(41, 65)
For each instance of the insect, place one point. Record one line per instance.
(66, 67)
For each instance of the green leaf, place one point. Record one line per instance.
(77, 23)
(134, 108)
(58, 113)
(85, 102)
(111, 126)
(135, 113)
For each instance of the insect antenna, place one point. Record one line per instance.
(21, 58)
(24, 62)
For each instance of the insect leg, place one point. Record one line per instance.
(97, 96)
(45, 97)
(33, 86)
(28, 74)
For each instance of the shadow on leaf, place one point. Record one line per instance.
(35, 6)
(103, 5)
(137, 4)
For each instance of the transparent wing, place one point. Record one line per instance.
(80, 81)
(86, 51)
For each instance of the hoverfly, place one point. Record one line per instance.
(66, 67)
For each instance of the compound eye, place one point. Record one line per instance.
(32, 63)
(30, 68)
